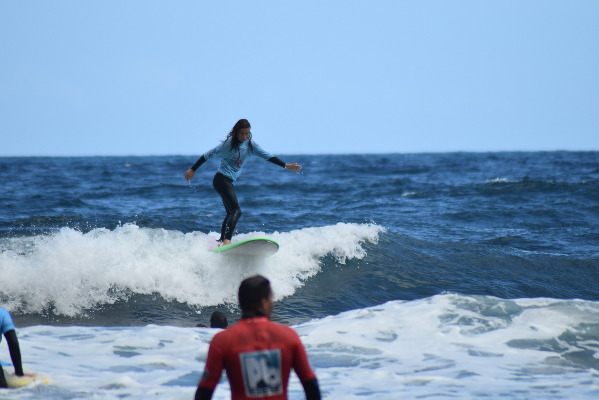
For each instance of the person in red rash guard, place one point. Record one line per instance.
(257, 353)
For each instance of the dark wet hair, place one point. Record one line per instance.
(251, 292)
(239, 125)
(218, 320)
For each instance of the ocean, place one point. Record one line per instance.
(407, 276)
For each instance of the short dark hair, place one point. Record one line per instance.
(251, 292)
(218, 320)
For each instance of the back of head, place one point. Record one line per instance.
(218, 320)
(251, 293)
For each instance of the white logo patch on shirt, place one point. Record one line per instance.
(261, 372)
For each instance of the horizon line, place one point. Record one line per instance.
(305, 154)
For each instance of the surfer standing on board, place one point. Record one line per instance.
(234, 151)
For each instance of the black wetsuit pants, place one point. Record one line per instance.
(224, 187)
(3, 383)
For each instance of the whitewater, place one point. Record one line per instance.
(460, 275)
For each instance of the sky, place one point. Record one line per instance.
(143, 77)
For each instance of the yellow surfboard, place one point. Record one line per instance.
(15, 381)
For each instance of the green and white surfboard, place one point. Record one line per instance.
(255, 247)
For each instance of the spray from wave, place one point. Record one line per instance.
(69, 272)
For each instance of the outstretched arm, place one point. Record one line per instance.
(292, 167)
(15, 351)
(191, 171)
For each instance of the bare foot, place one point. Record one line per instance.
(226, 242)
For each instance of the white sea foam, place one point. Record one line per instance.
(440, 347)
(72, 271)
(498, 180)
(452, 345)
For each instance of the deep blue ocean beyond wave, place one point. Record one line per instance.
(502, 224)
(481, 249)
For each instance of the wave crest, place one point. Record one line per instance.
(69, 272)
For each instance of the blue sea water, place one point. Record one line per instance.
(458, 275)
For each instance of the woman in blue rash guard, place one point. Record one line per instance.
(234, 151)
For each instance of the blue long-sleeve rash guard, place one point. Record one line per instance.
(233, 160)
